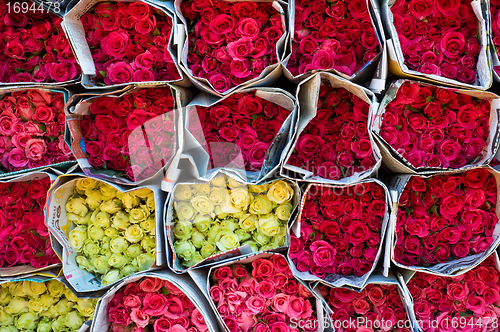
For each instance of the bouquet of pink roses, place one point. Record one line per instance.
(341, 231)
(231, 43)
(24, 238)
(440, 41)
(430, 127)
(246, 130)
(377, 308)
(260, 293)
(332, 142)
(32, 129)
(338, 35)
(446, 222)
(129, 137)
(128, 41)
(467, 302)
(35, 46)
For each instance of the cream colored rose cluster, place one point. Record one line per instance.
(223, 214)
(115, 232)
(42, 307)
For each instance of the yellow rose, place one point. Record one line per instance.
(228, 241)
(55, 288)
(148, 243)
(243, 235)
(17, 289)
(184, 210)
(111, 277)
(118, 245)
(203, 223)
(100, 218)
(100, 264)
(218, 194)
(16, 306)
(258, 189)
(149, 226)
(283, 211)
(133, 251)
(5, 318)
(248, 222)
(183, 192)
(183, 230)
(238, 200)
(233, 184)
(134, 234)
(261, 205)
(93, 199)
(203, 188)
(83, 263)
(117, 261)
(261, 239)
(112, 206)
(139, 214)
(129, 269)
(214, 234)
(198, 239)
(145, 261)
(44, 326)
(121, 220)
(5, 295)
(69, 295)
(142, 193)
(280, 191)
(150, 202)
(91, 249)
(73, 320)
(76, 219)
(184, 249)
(95, 232)
(63, 306)
(108, 192)
(47, 300)
(27, 321)
(202, 204)
(269, 225)
(86, 307)
(228, 225)
(77, 206)
(130, 201)
(77, 237)
(218, 181)
(208, 250)
(111, 232)
(195, 260)
(86, 184)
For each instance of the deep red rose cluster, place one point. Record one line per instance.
(133, 134)
(241, 124)
(495, 28)
(335, 143)
(24, 238)
(263, 296)
(438, 37)
(32, 130)
(469, 301)
(153, 304)
(446, 217)
(377, 308)
(129, 43)
(340, 230)
(34, 47)
(332, 34)
(231, 42)
(436, 127)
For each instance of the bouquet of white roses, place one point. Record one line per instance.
(227, 217)
(42, 307)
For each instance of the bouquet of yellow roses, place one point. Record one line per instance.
(225, 218)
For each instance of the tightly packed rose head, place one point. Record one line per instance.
(42, 306)
(35, 46)
(231, 42)
(153, 304)
(262, 296)
(224, 214)
(129, 43)
(24, 237)
(113, 232)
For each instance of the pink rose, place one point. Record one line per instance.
(115, 44)
(119, 72)
(154, 304)
(139, 317)
(323, 253)
(198, 320)
(35, 149)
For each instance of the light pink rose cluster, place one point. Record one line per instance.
(129, 43)
(153, 304)
(262, 296)
(34, 46)
(32, 130)
(468, 302)
(231, 42)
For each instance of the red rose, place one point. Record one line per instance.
(61, 72)
(358, 233)
(118, 73)
(358, 9)
(475, 178)
(115, 44)
(138, 11)
(448, 7)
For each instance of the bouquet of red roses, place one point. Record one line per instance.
(495, 32)
(35, 46)
(332, 142)
(32, 130)
(129, 42)
(261, 294)
(338, 35)
(231, 43)
(341, 231)
(377, 308)
(433, 127)
(152, 304)
(468, 302)
(128, 137)
(24, 238)
(240, 130)
(442, 41)
(444, 220)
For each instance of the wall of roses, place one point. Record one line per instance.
(249, 166)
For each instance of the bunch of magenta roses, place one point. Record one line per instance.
(445, 218)
(224, 214)
(35, 46)
(42, 306)
(115, 232)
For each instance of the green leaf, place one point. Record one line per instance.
(156, 32)
(398, 127)
(434, 209)
(102, 73)
(20, 70)
(466, 314)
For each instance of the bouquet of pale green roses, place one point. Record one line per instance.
(227, 217)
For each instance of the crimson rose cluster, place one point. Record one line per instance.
(129, 43)
(24, 238)
(231, 43)
(132, 135)
(243, 123)
(446, 217)
(35, 48)
(336, 35)
(436, 127)
(340, 230)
